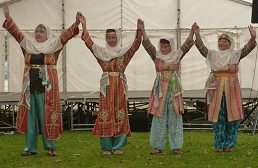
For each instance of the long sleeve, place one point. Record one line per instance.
(186, 46)
(135, 46)
(149, 47)
(247, 48)
(201, 47)
(13, 29)
(69, 33)
(87, 40)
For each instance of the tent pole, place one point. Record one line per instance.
(178, 25)
(178, 31)
(10, 2)
(121, 26)
(64, 52)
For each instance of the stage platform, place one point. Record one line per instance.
(79, 109)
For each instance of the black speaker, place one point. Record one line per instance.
(255, 11)
(139, 121)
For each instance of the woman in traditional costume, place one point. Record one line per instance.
(223, 97)
(166, 100)
(39, 106)
(112, 124)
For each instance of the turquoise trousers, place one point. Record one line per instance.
(113, 143)
(35, 122)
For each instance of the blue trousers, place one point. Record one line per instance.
(159, 128)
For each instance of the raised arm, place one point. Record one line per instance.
(72, 31)
(85, 34)
(146, 42)
(141, 27)
(6, 10)
(135, 46)
(191, 34)
(10, 25)
(189, 42)
(251, 43)
(198, 42)
(252, 31)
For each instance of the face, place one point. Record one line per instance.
(111, 40)
(40, 34)
(223, 44)
(165, 49)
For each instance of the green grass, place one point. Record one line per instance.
(81, 149)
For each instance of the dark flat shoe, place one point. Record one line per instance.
(26, 153)
(228, 150)
(155, 151)
(52, 153)
(177, 151)
(219, 150)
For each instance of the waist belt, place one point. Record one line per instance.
(165, 72)
(113, 73)
(35, 66)
(225, 74)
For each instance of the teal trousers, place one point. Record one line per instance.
(225, 132)
(35, 122)
(113, 143)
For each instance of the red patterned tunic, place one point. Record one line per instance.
(112, 117)
(227, 84)
(53, 126)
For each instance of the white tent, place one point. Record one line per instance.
(77, 68)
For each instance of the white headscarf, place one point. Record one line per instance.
(218, 60)
(51, 45)
(108, 53)
(172, 57)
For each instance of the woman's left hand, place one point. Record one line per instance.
(252, 31)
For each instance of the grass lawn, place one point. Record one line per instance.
(81, 149)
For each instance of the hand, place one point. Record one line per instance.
(77, 21)
(195, 28)
(252, 31)
(82, 19)
(191, 34)
(140, 25)
(6, 10)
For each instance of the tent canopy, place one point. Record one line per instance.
(79, 71)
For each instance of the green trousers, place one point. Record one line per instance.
(35, 123)
(113, 143)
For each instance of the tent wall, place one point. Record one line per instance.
(82, 70)
(2, 62)
(210, 14)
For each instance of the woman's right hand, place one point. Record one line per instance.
(140, 25)
(82, 19)
(6, 10)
